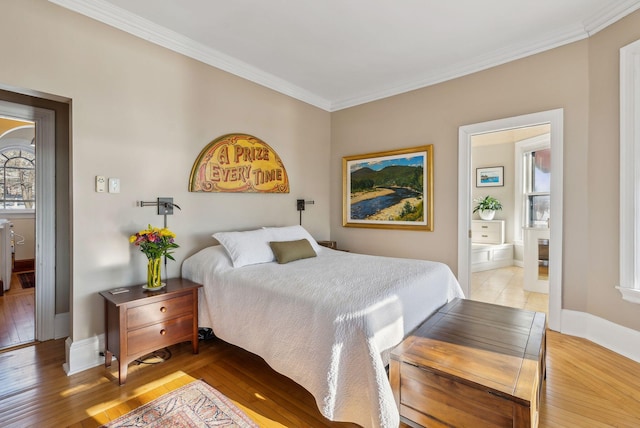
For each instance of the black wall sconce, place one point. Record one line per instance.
(165, 207)
(300, 205)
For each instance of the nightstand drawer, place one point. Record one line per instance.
(159, 311)
(159, 335)
(139, 321)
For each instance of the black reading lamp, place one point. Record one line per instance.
(300, 204)
(165, 208)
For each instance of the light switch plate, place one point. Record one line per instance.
(114, 185)
(101, 184)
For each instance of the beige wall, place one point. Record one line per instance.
(143, 114)
(581, 78)
(496, 155)
(433, 115)
(25, 237)
(602, 206)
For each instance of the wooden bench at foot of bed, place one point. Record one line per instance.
(471, 364)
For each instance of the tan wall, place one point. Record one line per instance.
(496, 155)
(25, 238)
(581, 78)
(602, 206)
(143, 114)
(433, 115)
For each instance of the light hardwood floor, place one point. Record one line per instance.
(17, 315)
(586, 386)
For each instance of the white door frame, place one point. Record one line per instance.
(465, 179)
(45, 212)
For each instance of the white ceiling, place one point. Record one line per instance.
(339, 53)
(509, 136)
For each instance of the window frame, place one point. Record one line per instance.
(528, 179)
(520, 198)
(629, 285)
(9, 212)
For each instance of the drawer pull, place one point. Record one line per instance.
(163, 332)
(485, 236)
(163, 309)
(485, 227)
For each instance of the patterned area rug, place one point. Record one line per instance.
(27, 279)
(193, 405)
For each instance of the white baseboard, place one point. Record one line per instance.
(84, 354)
(62, 326)
(621, 340)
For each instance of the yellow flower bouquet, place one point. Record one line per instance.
(155, 243)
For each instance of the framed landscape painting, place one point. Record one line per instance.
(389, 190)
(490, 177)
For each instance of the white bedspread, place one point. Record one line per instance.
(326, 322)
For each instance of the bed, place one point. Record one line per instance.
(327, 321)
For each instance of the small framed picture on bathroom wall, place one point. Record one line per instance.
(492, 176)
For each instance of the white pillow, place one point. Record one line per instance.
(292, 233)
(248, 247)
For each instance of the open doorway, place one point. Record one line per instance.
(467, 187)
(17, 231)
(43, 207)
(512, 169)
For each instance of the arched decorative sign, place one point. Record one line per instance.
(238, 163)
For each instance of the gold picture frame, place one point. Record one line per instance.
(389, 190)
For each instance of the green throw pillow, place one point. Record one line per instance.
(289, 251)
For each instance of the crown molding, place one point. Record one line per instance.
(472, 65)
(597, 22)
(121, 19)
(608, 15)
(111, 15)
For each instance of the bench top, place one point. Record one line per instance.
(481, 344)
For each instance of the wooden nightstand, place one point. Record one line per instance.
(138, 321)
(329, 244)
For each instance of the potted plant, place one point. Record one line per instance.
(487, 207)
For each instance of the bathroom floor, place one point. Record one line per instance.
(504, 287)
